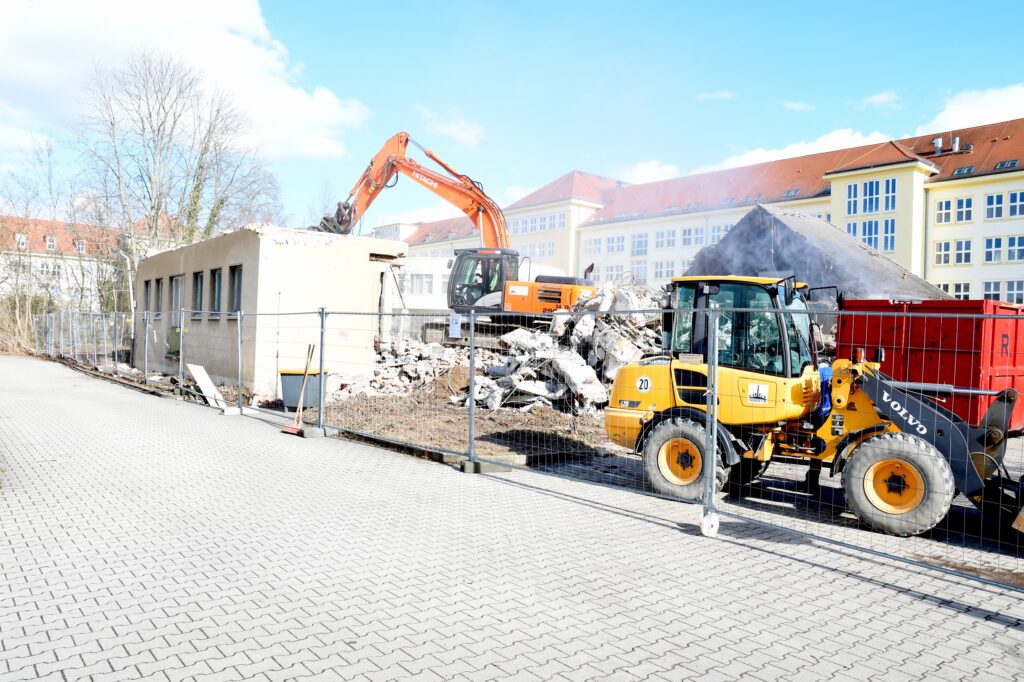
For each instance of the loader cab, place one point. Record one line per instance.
(478, 278)
(763, 325)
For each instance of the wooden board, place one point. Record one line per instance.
(210, 391)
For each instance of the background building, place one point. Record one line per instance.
(948, 206)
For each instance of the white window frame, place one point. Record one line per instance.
(869, 233)
(869, 203)
(851, 199)
(962, 251)
(992, 290)
(616, 244)
(51, 242)
(943, 211)
(665, 239)
(698, 235)
(993, 206)
(851, 229)
(21, 241)
(942, 252)
(639, 270)
(638, 244)
(993, 249)
(890, 194)
(964, 209)
(1015, 291)
(1015, 248)
(1016, 204)
(686, 236)
(889, 235)
(961, 290)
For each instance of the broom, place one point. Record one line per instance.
(296, 426)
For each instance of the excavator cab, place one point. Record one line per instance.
(478, 277)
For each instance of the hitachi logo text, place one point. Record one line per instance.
(424, 179)
(912, 422)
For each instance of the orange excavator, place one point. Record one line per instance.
(485, 280)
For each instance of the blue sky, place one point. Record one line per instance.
(518, 93)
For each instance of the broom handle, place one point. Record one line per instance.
(302, 393)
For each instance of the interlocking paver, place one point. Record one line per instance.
(156, 537)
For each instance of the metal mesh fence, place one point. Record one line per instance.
(887, 427)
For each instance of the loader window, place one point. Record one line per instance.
(798, 329)
(749, 340)
(476, 277)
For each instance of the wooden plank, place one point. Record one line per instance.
(210, 392)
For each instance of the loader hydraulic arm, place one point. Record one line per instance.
(456, 188)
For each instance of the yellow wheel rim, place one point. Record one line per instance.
(894, 486)
(679, 461)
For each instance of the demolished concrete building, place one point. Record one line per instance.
(770, 241)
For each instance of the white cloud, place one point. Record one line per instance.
(718, 94)
(649, 171)
(976, 107)
(45, 63)
(514, 193)
(798, 106)
(453, 125)
(837, 139)
(886, 98)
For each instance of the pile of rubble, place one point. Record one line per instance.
(568, 364)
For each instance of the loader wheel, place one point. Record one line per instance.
(898, 484)
(674, 460)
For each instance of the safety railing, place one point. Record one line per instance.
(892, 428)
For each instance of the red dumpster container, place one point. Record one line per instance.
(942, 342)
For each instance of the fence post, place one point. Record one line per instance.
(181, 350)
(95, 357)
(709, 516)
(145, 347)
(50, 326)
(471, 449)
(241, 319)
(323, 380)
(116, 329)
(61, 334)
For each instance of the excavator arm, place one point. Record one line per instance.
(458, 189)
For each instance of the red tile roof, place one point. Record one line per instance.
(443, 230)
(885, 154)
(99, 241)
(573, 185)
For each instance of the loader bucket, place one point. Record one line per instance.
(992, 434)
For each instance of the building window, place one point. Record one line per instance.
(639, 268)
(684, 265)
(1016, 204)
(533, 224)
(51, 243)
(686, 238)
(146, 290)
(561, 221)
(716, 234)
(543, 223)
(616, 244)
(177, 302)
(80, 246)
(235, 289)
(991, 291)
(963, 170)
(1015, 291)
(215, 285)
(664, 269)
(942, 253)
(1015, 248)
(869, 233)
(993, 249)
(1012, 163)
(614, 273)
(665, 239)
(994, 206)
(197, 295)
(870, 201)
(851, 229)
(943, 287)
(962, 252)
(889, 235)
(698, 236)
(551, 249)
(158, 297)
(639, 246)
(964, 209)
(890, 194)
(421, 285)
(961, 290)
(591, 247)
(20, 241)
(851, 199)
(943, 211)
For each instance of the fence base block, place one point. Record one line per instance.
(230, 411)
(312, 432)
(471, 467)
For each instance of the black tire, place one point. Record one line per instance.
(898, 484)
(660, 461)
(744, 473)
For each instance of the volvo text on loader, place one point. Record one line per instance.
(902, 457)
(485, 280)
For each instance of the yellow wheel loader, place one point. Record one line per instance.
(902, 457)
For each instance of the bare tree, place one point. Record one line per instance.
(322, 204)
(168, 154)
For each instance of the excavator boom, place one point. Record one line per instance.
(458, 189)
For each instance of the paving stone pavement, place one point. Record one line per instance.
(151, 538)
